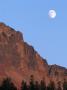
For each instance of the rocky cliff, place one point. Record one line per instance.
(18, 60)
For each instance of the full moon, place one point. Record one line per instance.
(52, 14)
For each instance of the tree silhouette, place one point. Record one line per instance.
(42, 85)
(32, 85)
(51, 86)
(36, 85)
(7, 85)
(65, 85)
(23, 85)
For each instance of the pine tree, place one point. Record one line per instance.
(23, 85)
(51, 86)
(7, 85)
(36, 85)
(42, 85)
(32, 85)
(65, 85)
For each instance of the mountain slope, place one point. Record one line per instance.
(19, 60)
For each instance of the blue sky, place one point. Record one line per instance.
(47, 36)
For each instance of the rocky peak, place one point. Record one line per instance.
(16, 53)
(56, 70)
(19, 60)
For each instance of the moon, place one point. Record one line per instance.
(52, 14)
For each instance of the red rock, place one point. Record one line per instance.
(18, 60)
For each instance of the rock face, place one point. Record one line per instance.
(57, 73)
(18, 60)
